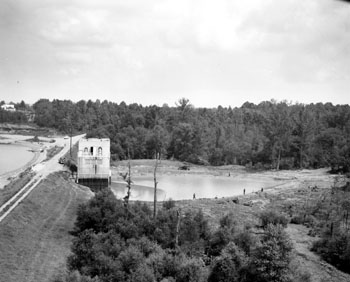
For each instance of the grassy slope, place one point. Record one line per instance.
(34, 239)
(14, 186)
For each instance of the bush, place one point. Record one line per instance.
(245, 240)
(194, 233)
(270, 260)
(297, 219)
(99, 213)
(169, 204)
(130, 259)
(335, 250)
(191, 270)
(272, 217)
(225, 234)
(229, 266)
(143, 273)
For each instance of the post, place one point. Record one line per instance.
(70, 145)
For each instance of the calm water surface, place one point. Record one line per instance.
(13, 157)
(180, 187)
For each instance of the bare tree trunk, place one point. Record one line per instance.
(129, 180)
(155, 188)
(178, 213)
(346, 221)
(301, 157)
(332, 230)
(128, 185)
(278, 159)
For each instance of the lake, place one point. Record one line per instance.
(181, 187)
(13, 157)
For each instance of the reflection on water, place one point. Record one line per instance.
(180, 187)
(138, 193)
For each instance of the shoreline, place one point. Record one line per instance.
(285, 180)
(6, 177)
(38, 150)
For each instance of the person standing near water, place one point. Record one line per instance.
(244, 191)
(194, 196)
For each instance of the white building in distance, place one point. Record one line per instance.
(8, 107)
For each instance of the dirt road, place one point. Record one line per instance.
(42, 170)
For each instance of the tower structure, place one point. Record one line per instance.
(94, 163)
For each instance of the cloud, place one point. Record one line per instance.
(312, 38)
(70, 26)
(164, 48)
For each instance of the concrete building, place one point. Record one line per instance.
(94, 163)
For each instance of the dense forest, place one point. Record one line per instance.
(272, 134)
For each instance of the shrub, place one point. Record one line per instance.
(272, 217)
(297, 219)
(191, 270)
(99, 213)
(169, 204)
(165, 230)
(245, 240)
(194, 232)
(131, 258)
(143, 273)
(270, 260)
(335, 250)
(229, 266)
(222, 236)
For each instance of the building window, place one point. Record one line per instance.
(100, 151)
(86, 151)
(91, 150)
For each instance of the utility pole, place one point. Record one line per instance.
(70, 145)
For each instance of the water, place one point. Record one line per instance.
(13, 157)
(181, 187)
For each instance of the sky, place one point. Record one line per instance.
(212, 52)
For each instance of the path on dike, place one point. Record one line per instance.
(42, 171)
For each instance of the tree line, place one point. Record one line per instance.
(14, 117)
(271, 134)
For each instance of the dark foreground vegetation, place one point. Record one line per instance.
(325, 212)
(268, 135)
(331, 213)
(114, 242)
